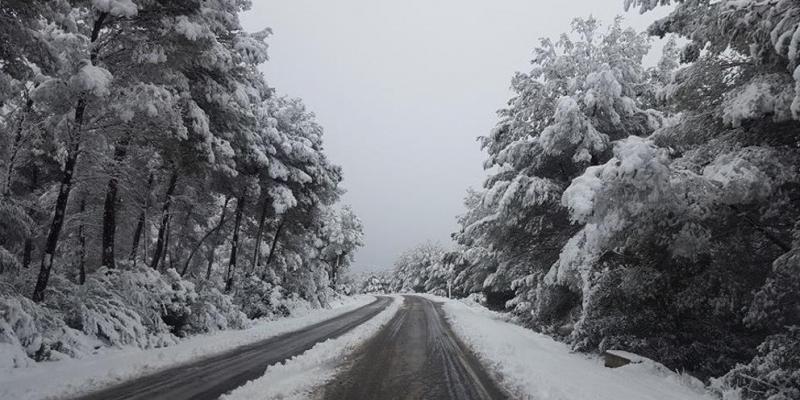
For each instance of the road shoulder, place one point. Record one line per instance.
(530, 365)
(302, 376)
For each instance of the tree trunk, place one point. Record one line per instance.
(234, 243)
(259, 234)
(58, 221)
(26, 253)
(165, 253)
(174, 254)
(137, 233)
(335, 269)
(162, 230)
(210, 256)
(110, 210)
(82, 246)
(273, 246)
(206, 236)
(66, 182)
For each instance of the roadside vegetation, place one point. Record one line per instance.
(152, 184)
(649, 209)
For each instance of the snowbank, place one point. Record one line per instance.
(534, 366)
(300, 376)
(70, 377)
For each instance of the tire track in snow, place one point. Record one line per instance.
(416, 356)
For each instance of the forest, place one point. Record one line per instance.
(154, 185)
(648, 209)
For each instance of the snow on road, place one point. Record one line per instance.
(416, 356)
(300, 376)
(534, 366)
(76, 376)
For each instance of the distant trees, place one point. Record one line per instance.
(140, 135)
(376, 283)
(422, 270)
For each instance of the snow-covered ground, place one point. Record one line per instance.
(110, 366)
(300, 376)
(534, 366)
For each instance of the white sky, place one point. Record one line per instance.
(403, 88)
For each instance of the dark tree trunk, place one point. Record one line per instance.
(206, 236)
(210, 256)
(137, 232)
(234, 243)
(175, 253)
(273, 246)
(110, 210)
(58, 217)
(166, 243)
(259, 234)
(82, 246)
(27, 249)
(51, 244)
(162, 230)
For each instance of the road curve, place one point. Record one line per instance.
(211, 377)
(416, 356)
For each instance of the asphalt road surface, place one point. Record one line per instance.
(216, 375)
(415, 356)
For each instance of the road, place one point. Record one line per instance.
(211, 377)
(415, 357)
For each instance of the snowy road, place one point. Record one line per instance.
(214, 376)
(416, 356)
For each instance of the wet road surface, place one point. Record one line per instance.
(216, 375)
(415, 356)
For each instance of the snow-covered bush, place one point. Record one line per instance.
(774, 373)
(100, 309)
(213, 310)
(29, 331)
(128, 306)
(255, 298)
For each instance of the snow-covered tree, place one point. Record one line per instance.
(342, 233)
(422, 270)
(377, 283)
(143, 160)
(582, 94)
(610, 224)
(731, 196)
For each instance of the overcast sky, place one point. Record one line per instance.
(403, 88)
